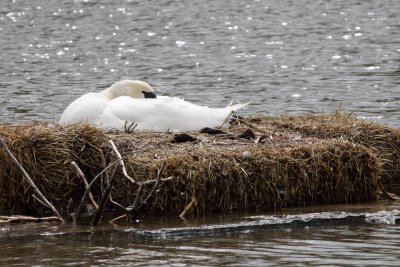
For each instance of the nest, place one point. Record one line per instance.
(383, 140)
(236, 175)
(260, 163)
(45, 153)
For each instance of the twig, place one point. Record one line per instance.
(136, 201)
(390, 196)
(82, 176)
(226, 119)
(187, 208)
(30, 181)
(130, 128)
(137, 205)
(114, 148)
(260, 139)
(96, 218)
(118, 218)
(117, 204)
(69, 205)
(159, 174)
(104, 164)
(250, 125)
(77, 215)
(161, 180)
(20, 218)
(38, 200)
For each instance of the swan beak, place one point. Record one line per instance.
(149, 94)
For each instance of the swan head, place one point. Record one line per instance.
(135, 89)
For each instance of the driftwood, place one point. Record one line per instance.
(20, 218)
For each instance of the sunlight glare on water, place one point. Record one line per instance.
(283, 57)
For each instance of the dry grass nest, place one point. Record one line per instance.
(381, 139)
(45, 151)
(260, 163)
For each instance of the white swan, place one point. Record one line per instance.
(134, 102)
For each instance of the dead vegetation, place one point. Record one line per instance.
(260, 163)
(383, 140)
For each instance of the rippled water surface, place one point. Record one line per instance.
(283, 56)
(362, 237)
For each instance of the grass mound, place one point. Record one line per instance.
(238, 175)
(260, 163)
(45, 153)
(383, 140)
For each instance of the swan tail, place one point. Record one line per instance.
(236, 107)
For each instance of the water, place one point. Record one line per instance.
(358, 235)
(282, 56)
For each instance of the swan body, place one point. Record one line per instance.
(134, 102)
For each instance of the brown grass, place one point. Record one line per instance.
(302, 160)
(383, 140)
(45, 153)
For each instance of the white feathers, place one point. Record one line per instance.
(124, 103)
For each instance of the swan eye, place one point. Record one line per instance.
(149, 94)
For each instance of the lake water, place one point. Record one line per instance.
(357, 235)
(282, 56)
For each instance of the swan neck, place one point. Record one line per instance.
(108, 93)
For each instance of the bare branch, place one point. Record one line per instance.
(159, 174)
(21, 218)
(250, 125)
(40, 201)
(103, 164)
(226, 119)
(97, 217)
(118, 218)
(161, 180)
(390, 196)
(82, 175)
(187, 208)
(121, 162)
(90, 185)
(117, 204)
(30, 181)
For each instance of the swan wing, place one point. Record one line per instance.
(163, 114)
(187, 116)
(86, 108)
